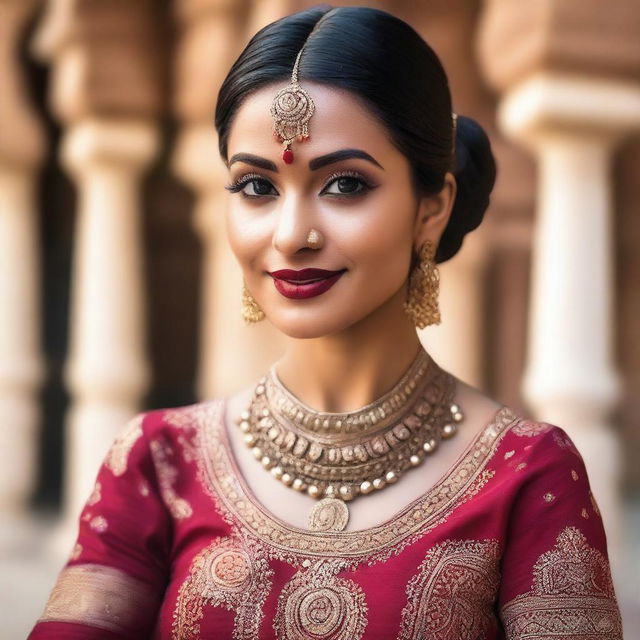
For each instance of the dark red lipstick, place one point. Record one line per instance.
(305, 283)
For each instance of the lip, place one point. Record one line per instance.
(303, 274)
(305, 283)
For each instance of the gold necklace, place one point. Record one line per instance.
(334, 457)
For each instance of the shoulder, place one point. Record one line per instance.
(541, 444)
(546, 466)
(185, 418)
(147, 430)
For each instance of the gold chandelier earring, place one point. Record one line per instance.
(424, 286)
(251, 311)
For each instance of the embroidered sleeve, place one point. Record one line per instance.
(114, 580)
(556, 581)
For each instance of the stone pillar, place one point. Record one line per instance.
(107, 369)
(106, 90)
(21, 360)
(541, 57)
(231, 354)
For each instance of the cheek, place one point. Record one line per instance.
(379, 242)
(246, 235)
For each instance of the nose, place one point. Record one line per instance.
(293, 223)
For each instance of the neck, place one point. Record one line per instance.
(345, 371)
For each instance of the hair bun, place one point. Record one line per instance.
(475, 172)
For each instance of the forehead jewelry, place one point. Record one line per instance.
(291, 110)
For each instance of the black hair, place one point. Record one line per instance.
(396, 74)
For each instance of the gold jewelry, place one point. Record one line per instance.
(313, 238)
(291, 111)
(251, 311)
(424, 286)
(334, 457)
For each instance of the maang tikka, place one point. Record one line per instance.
(291, 110)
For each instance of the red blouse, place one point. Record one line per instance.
(173, 545)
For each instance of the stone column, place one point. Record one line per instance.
(21, 360)
(106, 90)
(568, 77)
(107, 369)
(231, 354)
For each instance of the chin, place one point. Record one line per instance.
(306, 324)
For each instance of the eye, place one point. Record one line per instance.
(252, 186)
(348, 183)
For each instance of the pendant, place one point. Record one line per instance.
(329, 514)
(287, 156)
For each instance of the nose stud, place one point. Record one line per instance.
(313, 238)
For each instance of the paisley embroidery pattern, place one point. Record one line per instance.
(118, 455)
(320, 605)
(530, 428)
(228, 573)
(572, 595)
(453, 593)
(161, 453)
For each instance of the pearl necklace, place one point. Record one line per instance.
(334, 457)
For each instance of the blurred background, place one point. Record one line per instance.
(118, 291)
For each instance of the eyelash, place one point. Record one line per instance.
(243, 181)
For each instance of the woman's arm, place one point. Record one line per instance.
(113, 583)
(556, 581)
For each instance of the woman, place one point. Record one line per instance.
(357, 490)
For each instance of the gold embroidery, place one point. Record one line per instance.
(574, 475)
(572, 595)
(237, 505)
(508, 454)
(189, 451)
(521, 466)
(96, 494)
(564, 442)
(143, 488)
(103, 597)
(530, 428)
(116, 459)
(549, 497)
(453, 593)
(167, 476)
(318, 604)
(99, 524)
(182, 417)
(231, 573)
(584, 513)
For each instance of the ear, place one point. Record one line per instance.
(434, 212)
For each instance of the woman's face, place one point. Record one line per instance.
(350, 184)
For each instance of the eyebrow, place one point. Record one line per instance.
(256, 161)
(315, 163)
(342, 154)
